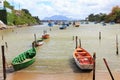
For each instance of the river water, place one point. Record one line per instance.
(55, 56)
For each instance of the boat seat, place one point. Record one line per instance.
(79, 50)
(83, 53)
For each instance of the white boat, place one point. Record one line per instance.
(38, 42)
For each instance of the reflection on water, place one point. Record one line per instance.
(55, 56)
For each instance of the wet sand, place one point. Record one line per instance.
(100, 75)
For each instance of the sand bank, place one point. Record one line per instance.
(100, 75)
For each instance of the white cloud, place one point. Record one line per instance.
(70, 8)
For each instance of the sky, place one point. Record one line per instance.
(76, 9)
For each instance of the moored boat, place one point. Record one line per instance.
(24, 59)
(63, 27)
(83, 59)
(45, 36)
(38, 42)
(77, 25)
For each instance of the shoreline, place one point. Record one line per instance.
(14, 26)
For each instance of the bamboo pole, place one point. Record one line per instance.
(3, 62)
(108, 68)
(73, 38)
(2, 37)
(80, 42)
(33, 45)
(76, 41)
(6, 44)
(99, 35)
(94, 65)
(35, 38)
(117, 45)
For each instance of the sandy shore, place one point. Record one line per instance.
(100, 75)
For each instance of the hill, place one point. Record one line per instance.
(19, 17)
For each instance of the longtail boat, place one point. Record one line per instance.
(38, 42)
(24, 59)
(83, 59)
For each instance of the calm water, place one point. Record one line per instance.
(55, 56)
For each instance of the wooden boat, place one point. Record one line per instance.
(24, 59)
(77, 25)
(83, 59)
(45, 36)
(38, 42)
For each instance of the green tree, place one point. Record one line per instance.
(114, 15)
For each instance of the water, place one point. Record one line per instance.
(55, 56)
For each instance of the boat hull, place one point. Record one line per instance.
(38, 43)
(23, 65)
(77, 25)
(24, 59)
(45, 36)
(82, 61)
(83, 67)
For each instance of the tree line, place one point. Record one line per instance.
(113, 16)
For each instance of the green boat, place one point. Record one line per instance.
(24, 60)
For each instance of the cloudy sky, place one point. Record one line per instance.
(77, 9)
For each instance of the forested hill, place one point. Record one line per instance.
(19, 17)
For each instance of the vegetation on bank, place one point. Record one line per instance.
(113, 16)
(20, 17)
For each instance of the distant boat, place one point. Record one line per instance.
(104, 24)
(112, 22)
(45, 36)
(86, 22)
(24, 59)
(83, 59)
(77, 24)
(55, 22)
(63, 27)
(50, 24)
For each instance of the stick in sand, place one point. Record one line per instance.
(35, 38)
(108, 68)
(99, 35)
(94, 65)
(6, 44)
(116, 44)
(73, 38)
(3, 62)
(2, 37)
(80, 42)
(76, 41)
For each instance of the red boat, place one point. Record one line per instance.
(45, 36)
(83, 59)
